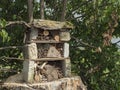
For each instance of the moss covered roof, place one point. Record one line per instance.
(51, 25)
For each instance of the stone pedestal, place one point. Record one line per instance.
(71, 83)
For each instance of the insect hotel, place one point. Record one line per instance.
(46, 63)
(46, 51)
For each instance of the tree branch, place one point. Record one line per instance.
(28, 86)
(10, 23)
(85, 44)
(7, 70)
(12, 58)
(17, 22)
(11, 47)
(75, 9)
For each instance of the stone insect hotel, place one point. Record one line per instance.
(46, 51)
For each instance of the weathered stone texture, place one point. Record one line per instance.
(64, 36)
(30, 51)
(66, 67)
(66, 50)
(29, 66)
(71, 83)
(28, 70)
(33, 34)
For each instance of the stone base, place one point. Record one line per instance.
(70, 83)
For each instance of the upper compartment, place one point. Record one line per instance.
(47, 31)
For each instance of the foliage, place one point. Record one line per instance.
(99, 70)
(98, 65)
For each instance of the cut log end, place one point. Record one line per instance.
(45, 33)
(57, 38)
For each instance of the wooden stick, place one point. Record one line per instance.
(38, 59)
(47, 41)
(85, 44)
(11, 47)
(7, 70)
(48, 59)
(43, 65)
(17, 22)
(17, 85)
(12, 58)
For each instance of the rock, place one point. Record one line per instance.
(70, 83)
(53, 52)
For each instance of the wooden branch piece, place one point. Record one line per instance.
(45, 33)
(17, 22)
(12, 58)
(43, 65)
(39, 59)
(44, 41)
(57, 38)
(37, 77)
(83, 43)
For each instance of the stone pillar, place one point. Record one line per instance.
(64, 36)
(28, 71)
(66, 67)
(33, 34)
(66, 64)
(29, 66)
(66, 50)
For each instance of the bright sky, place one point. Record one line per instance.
(114, 40)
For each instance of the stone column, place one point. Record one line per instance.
(66, 64)
(66, 50)
(33, 34)
(28, 65)
(66, 67)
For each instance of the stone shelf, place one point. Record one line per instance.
(48, 59)
(47, 41)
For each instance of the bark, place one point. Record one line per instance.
(30, 10)
(42, 9)
(64, 10)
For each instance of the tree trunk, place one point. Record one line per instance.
(42, 9)
(63, 10)
(30, 10)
